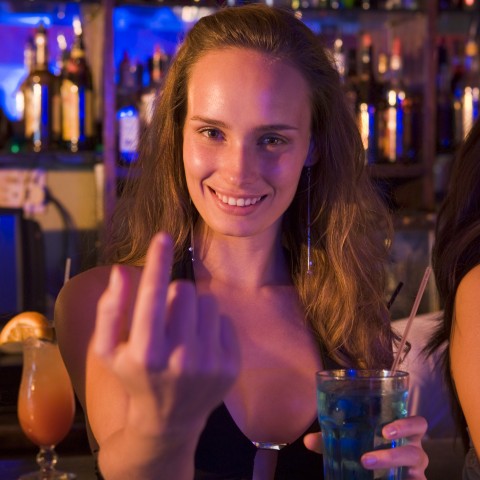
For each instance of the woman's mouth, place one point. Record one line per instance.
(238, 201)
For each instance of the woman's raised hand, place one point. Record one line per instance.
(180, 357)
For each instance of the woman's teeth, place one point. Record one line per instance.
(238, 202)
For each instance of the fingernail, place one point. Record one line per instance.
(369, 460)
(390, 431)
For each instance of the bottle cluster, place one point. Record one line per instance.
(462, 5)
(364, 4)
(56, 108)
(135, 100)
(414, 5)
(386, 110)
(458, 87)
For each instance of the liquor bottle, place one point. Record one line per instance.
(395, 119)
(336, 4)
(18, 123)
(339, 57)
(391, 4)
(128, 115)
(63, 54)
(59, 69)
(382, 106)
(153, 89)
(129, 79)
(367, 4)
(29, 63)
(5, 128)
(444, 101)
(78, 124)
(127, 73)
(38, 94)
(456, 86)
(470, 88)
(351, 80)
(128, 132)
(366, 99)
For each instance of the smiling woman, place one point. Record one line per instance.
(195, 357)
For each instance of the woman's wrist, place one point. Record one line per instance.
(131, 453)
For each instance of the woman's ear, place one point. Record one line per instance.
(312, 156)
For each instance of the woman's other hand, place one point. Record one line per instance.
(411, 455)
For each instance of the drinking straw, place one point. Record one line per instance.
(394, 294)
(66, 276)
(421, 289)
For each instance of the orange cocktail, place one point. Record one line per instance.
(46, 405)
(46, 402)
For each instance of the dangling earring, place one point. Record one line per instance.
(191, 248)
(309, 220)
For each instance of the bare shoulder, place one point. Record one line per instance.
(471, 280)
(75, 315)
(83, 289)
(76, 304)
(467, 301)
(469, 288)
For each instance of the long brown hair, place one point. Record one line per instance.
(457, 246)
(350, 227)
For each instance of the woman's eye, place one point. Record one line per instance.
(211, 133)
(272, 140)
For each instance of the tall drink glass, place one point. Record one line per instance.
(353, 407)
(46, 402)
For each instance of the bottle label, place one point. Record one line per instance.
(38, 114)
(31, 113)
(469, 109)
(56, 114)
(77, 112)
(70, 111)
(128, 133)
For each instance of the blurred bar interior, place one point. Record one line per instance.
(414, 63)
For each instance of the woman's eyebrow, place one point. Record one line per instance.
(210, 121)
(220, 123)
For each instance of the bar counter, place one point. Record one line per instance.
(17, 453)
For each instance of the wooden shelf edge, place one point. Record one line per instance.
(396, 170)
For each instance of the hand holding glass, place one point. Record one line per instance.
(353, 407)
(46, 402)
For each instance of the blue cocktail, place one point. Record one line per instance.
(353, 407)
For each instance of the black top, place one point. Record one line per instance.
(225, 453)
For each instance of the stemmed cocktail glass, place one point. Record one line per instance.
(46, 402)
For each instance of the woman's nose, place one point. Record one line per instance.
(240, 164)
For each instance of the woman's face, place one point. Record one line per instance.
(246, 139)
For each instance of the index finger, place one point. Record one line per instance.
(147, 330)
(413, 428)
(314, 442)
